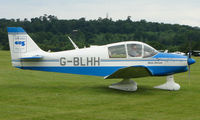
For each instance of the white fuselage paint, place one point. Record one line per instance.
(96, 56)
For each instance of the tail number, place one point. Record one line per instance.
(80, 61)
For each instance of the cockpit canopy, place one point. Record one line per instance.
(131, 50)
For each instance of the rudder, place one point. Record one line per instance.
(21, 45)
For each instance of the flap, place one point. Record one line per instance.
(130, 72)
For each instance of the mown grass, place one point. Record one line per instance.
(36, 95)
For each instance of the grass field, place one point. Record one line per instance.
(36, 95)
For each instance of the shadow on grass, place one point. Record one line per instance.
(142, 89)
(83, 89)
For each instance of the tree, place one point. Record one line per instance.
(49, 32)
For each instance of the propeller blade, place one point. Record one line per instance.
(190, 54)
(189, 75)
(189, 60)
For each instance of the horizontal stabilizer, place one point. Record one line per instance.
(130, 72)
(32, 57)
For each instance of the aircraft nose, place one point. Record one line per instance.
(191, 61)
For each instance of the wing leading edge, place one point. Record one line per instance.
(130, 72)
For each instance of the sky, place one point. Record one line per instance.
(184, 12)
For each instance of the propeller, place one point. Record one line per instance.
(189, 57)
(190, 61)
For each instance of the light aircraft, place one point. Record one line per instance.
(125, 60)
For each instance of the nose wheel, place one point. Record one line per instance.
(169, 85)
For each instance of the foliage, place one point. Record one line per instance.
(50, 32)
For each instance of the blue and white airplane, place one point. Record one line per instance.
(125, 60)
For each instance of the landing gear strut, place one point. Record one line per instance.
(125, 85)
(130, 85)
(169, 85)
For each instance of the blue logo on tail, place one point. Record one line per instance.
(22, 43)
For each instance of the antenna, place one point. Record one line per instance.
(107, 15)
(75, 46)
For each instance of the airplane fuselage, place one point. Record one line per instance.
(95, 61)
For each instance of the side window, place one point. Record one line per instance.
(134, 50)
(117, 51)
(148, 52)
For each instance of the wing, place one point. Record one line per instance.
(130, 72)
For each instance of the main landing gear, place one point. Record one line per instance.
(130, 85)
(125, 85)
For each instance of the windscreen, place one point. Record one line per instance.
(149, 52)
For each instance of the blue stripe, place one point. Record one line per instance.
(95, 71)
(101, 60)
(35, 57)
(136, 60)
(35, 60)
(166, 70)
(168, 55)
(16, 60)
(107, 70)
(15, 29)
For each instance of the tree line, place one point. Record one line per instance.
(50, 33)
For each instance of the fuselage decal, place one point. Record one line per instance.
(80, 61)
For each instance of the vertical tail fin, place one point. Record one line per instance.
(21, 45)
